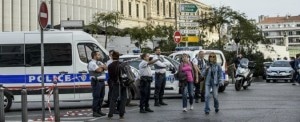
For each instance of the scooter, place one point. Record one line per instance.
(244, 75)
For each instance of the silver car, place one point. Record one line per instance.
(280, 70)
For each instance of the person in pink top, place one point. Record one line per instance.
(187, 68)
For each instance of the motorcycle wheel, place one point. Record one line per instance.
(238, 85)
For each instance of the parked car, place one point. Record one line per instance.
(171, 83)
(266, 66)
(280, 70)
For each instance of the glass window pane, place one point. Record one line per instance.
(11, 55)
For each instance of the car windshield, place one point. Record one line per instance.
(281, 64)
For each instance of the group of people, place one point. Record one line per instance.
(295, 63)
(201, 76)
(117, 95)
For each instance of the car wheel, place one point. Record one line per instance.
(7, 101)
(268, 81)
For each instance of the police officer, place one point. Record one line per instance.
(160, 78)
(200, 86)
(146, 79)
(96, 71)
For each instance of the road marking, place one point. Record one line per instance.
(106, 116)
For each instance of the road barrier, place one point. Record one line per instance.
(24, 104)
(2, 114)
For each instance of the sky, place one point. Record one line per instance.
(255, 8)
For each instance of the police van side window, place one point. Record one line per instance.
(85, 50)
(55, 54)
(11, 55)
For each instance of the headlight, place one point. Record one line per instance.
(269, 71)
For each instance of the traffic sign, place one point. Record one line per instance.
(43, 15)
(188, 8)
(177, 37)
(188, 17)
(189, 31)
(190, 39)
(188, 24)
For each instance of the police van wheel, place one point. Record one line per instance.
(7, 101)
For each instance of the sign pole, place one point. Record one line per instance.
(186, 34)
(42, 73)
(43, 20)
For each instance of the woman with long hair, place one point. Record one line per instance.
(213, 79)
(188, 69)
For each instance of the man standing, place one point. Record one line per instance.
(119, 91)
(146, 79)
(297, 67)
(96, 71)
(292, 63)
(200, 62)
(160, 78)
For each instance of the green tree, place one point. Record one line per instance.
(108, 21)
(218, 18)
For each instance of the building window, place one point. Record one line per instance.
(164, 7)
(298, 25)
(144, 11)
(170, 6)
(297, 32)
(137, 10)
(157, 7)
(129, 7)
(122, 7)
(290, 32)
(266, 33)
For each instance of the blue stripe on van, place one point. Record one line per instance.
(13, 79)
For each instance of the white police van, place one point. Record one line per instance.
(66, 57)
(220, 60)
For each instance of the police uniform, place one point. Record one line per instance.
(146, 79)
(98, 85)
(160, 80)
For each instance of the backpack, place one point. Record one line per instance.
(127, 76)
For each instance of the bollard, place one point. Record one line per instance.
(56, 102)
(24, 104)
(2, 116)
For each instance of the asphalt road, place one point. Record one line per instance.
(262, 102)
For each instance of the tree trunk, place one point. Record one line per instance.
(105, 36)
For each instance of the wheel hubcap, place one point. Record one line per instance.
(5, 101)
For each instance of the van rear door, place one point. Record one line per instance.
(58, 57)
(12, 69)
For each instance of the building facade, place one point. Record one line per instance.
(282, 31)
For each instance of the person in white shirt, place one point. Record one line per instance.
(96, 71)
(160, 78)
(200, 62)
(146, 79)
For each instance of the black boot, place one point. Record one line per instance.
(202, 97)
(161, 102)
(148, 110)
(156, 103)
(142, 110)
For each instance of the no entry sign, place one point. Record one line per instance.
(43, 15)
(177, 37)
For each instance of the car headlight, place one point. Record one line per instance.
(269, 71)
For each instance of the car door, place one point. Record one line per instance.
(83, 56)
